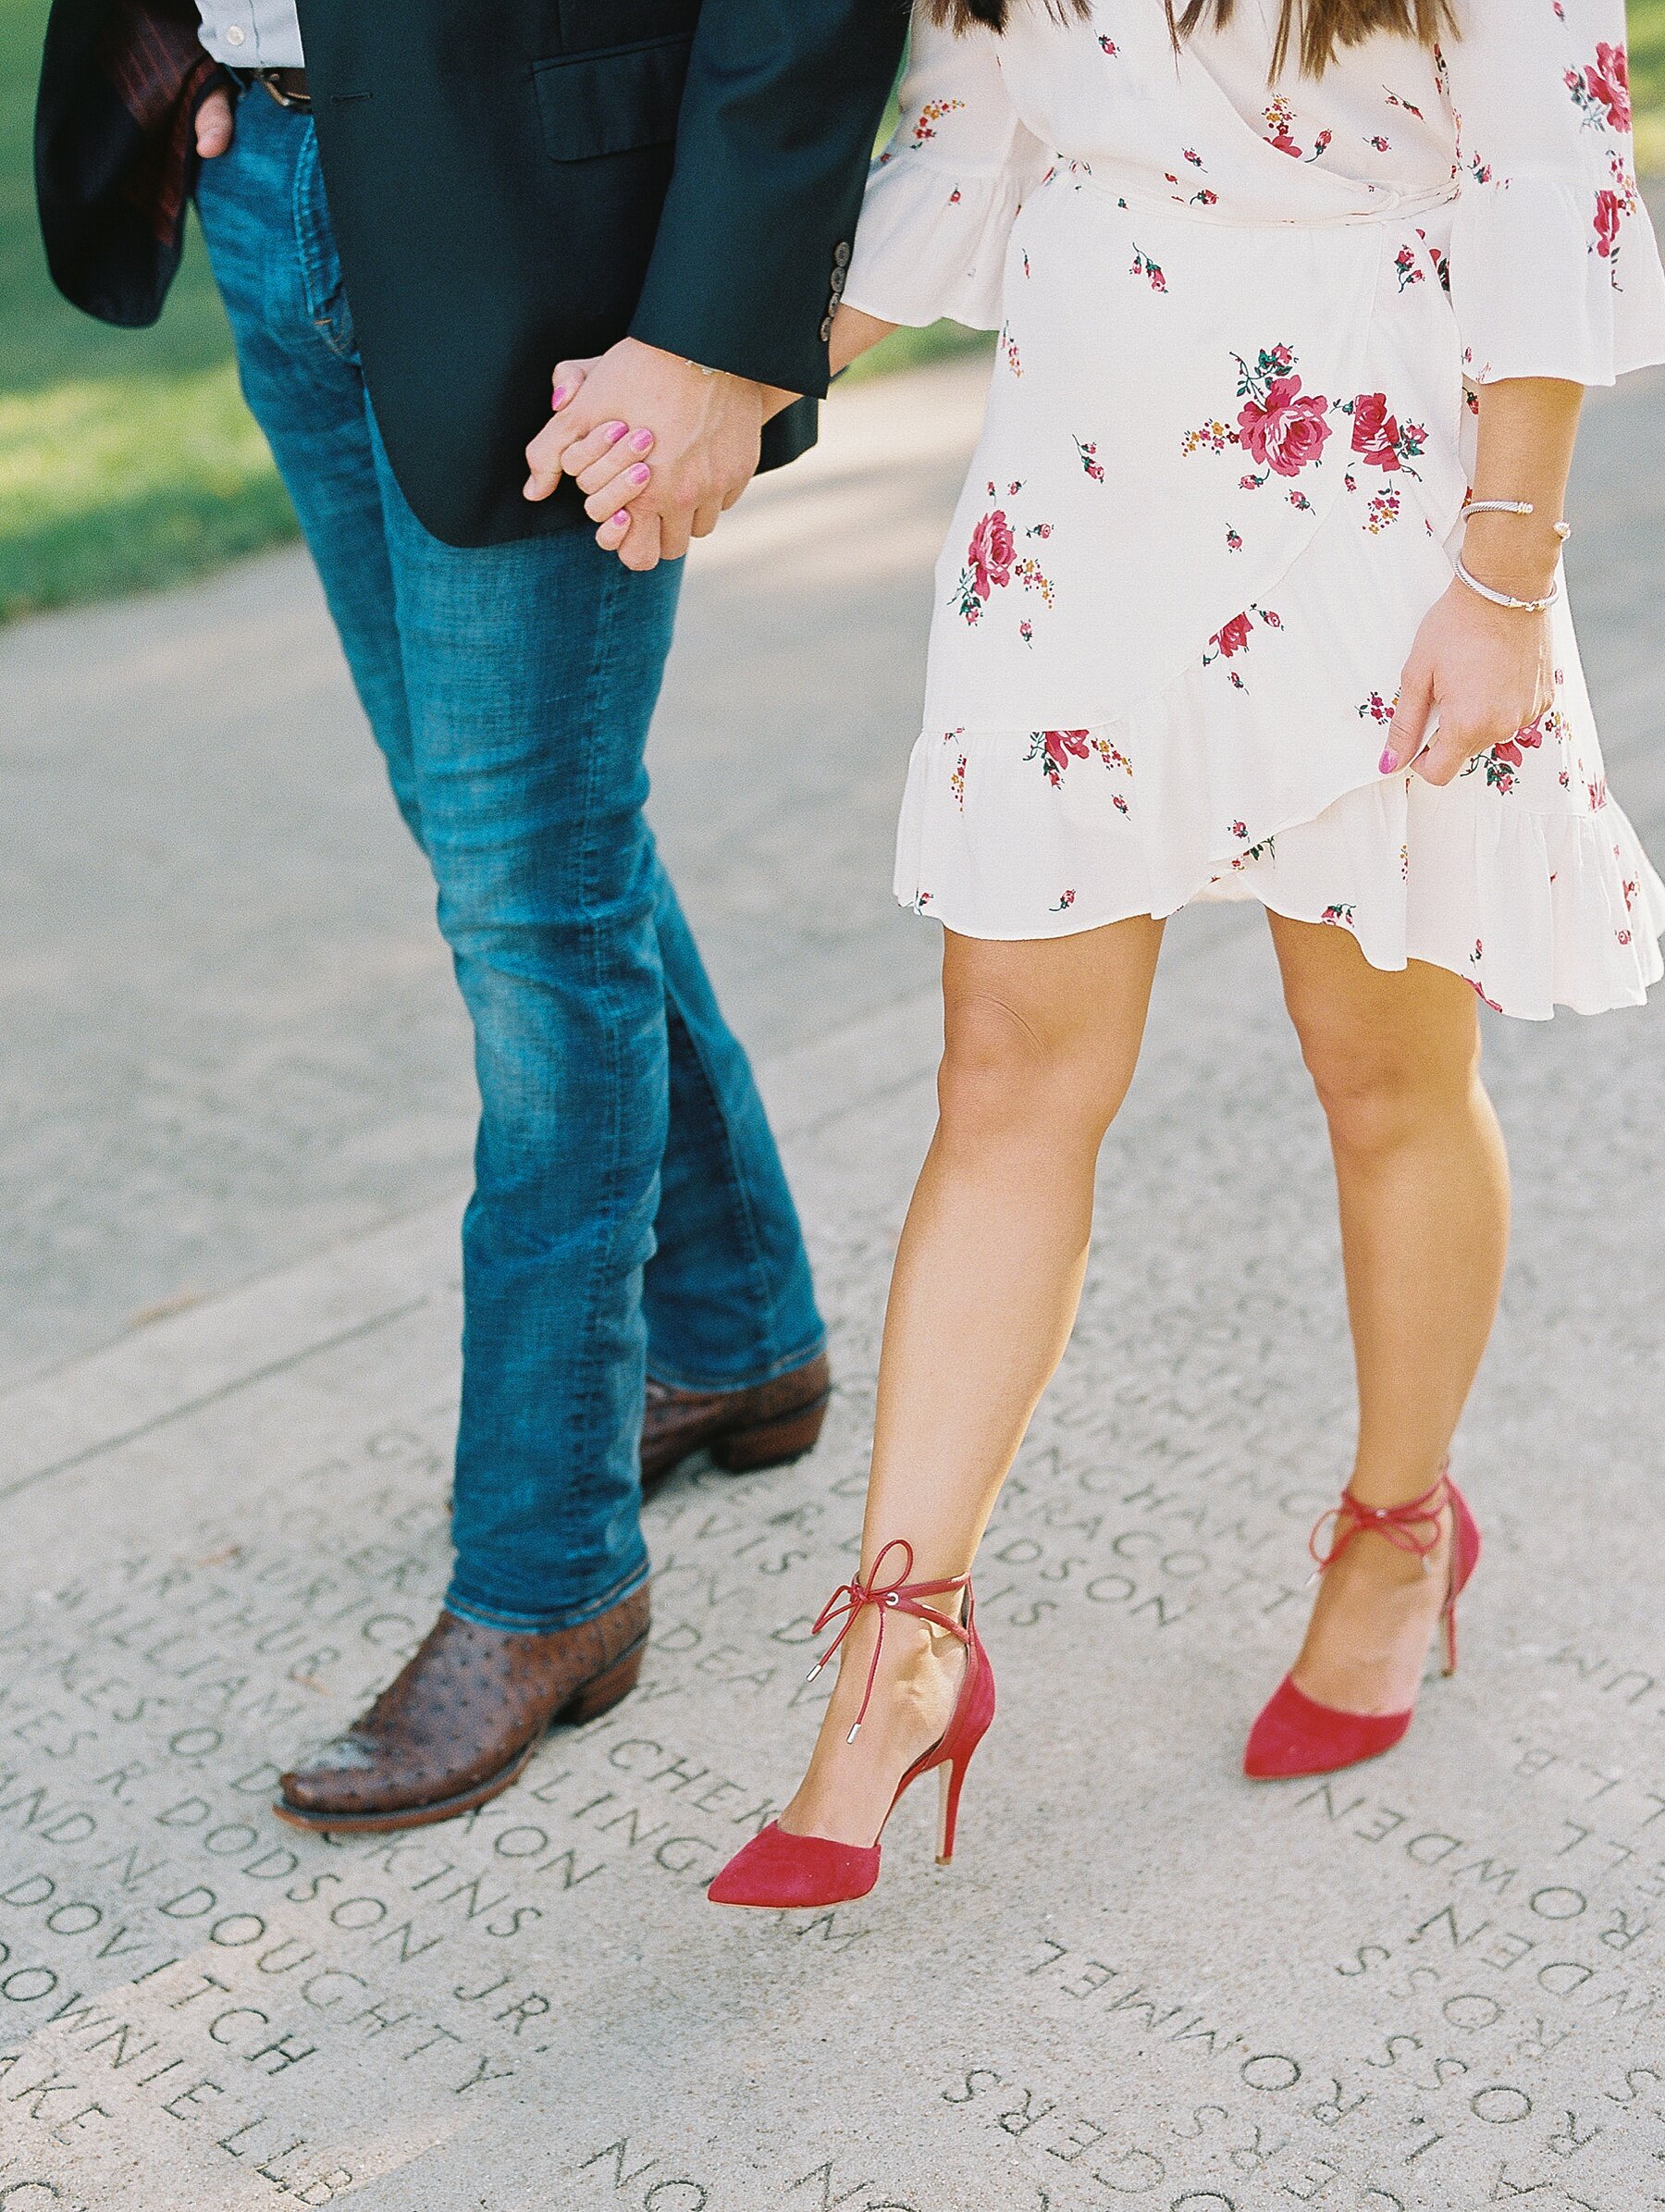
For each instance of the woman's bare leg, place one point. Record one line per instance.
(1424, 1185)
(1041, 1043)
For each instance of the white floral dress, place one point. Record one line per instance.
(1228, 436)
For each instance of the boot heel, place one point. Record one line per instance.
(602, 1695)
(773, 1443)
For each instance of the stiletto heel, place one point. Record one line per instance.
(780, 1869)
(1295, 1735)
(947, 1813)
(951, 1776)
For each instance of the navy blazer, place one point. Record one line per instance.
(513, 184)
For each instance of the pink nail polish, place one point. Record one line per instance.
(1386, 764)
(615, 431)
(641, 441)
(559, 396)
(622, 515)
(640, 474)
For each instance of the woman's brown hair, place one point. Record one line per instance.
(1314, 28)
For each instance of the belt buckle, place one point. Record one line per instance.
(297, 103)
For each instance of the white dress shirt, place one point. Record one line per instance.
(253, 34)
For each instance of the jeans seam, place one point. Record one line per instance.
(733, 1181)
(311, 233)
(594, 691)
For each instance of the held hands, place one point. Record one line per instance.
(702, 429)
(705, 440)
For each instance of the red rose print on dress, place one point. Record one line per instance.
(989, 560)
(1375, 432)
(993, 548)
(1409, 267)
(992, 563)
(1503, 763)
(1234, 638)
(1608, 79)
(1379, 438)
(1285, 430)
(1281, 427)
(1055, 749)
(1280, 115)
(1614, 203)
(1608, 215)
(1602, 89)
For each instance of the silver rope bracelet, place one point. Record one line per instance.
(1563, 531)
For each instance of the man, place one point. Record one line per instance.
(672, 186)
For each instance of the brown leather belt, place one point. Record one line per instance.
(288, 87)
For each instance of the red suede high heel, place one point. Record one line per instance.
(1295, 1735)
(779, 1869)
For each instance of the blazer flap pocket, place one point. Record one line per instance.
(596, 104)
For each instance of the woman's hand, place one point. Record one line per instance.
(1488, 672)
(609, 466)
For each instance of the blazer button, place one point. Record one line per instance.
(826, 331)
(841, 255)
(839, 278)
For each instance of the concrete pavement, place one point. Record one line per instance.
(234, 1069)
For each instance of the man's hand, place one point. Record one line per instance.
(704, 432)
(215, 121)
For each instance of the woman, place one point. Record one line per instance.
(1253, 592)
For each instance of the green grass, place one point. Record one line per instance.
(1648, 78)
(127, 457)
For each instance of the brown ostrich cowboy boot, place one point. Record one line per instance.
(768, 1425)
(459, 1723)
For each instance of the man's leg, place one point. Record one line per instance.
(529, 675)
(736, 1345)
(532, 670)
(274, 261)
(274, 256)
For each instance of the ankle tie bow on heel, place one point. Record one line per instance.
(1295, 1735)
(778, 1869)
(1396, 1522)
(853, 1597)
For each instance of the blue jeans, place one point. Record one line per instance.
(629, 1203)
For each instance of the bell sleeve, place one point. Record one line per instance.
(1555, 268)
(943, 197)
